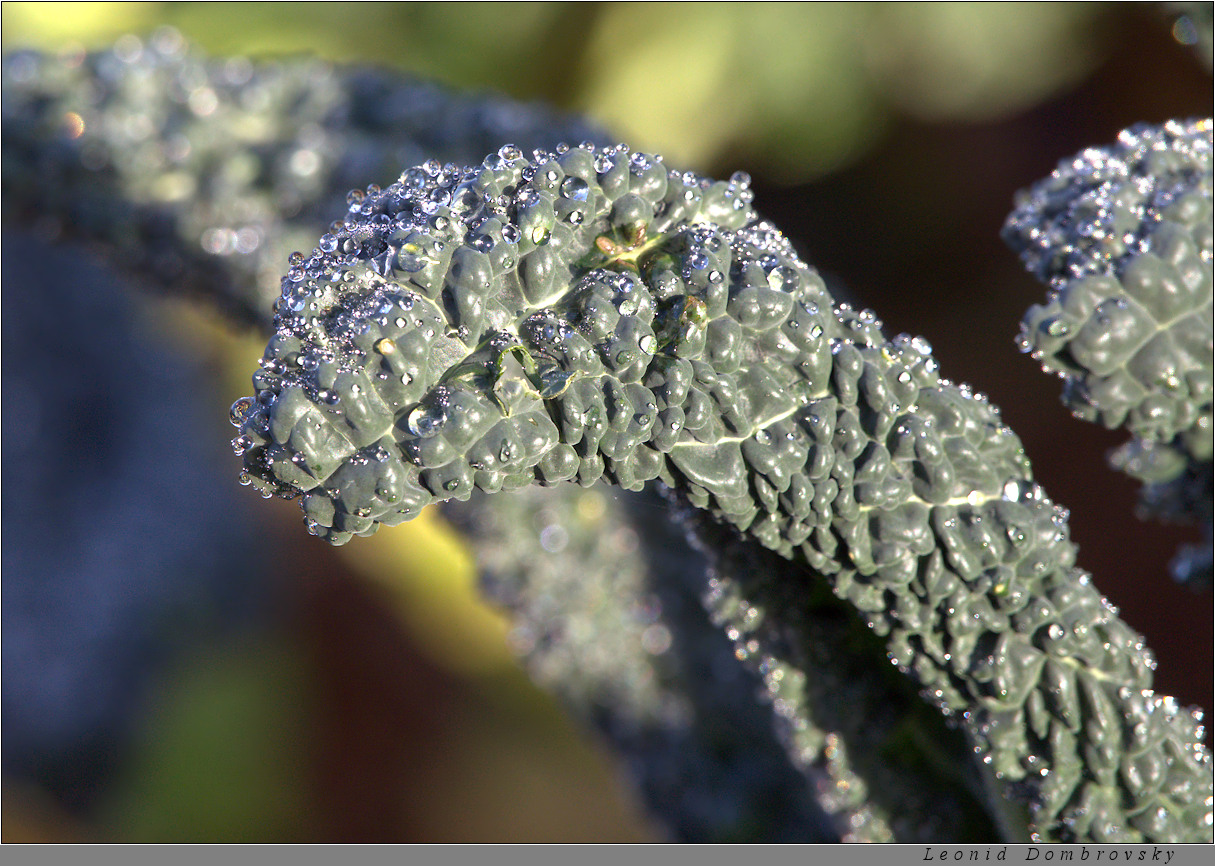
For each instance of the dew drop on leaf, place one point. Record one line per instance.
(426, 421)
(239, 413)
(574, 188)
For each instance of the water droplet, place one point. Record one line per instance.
(413, 179)
(409, 262)
(575, 188)
(465, 200)
(648, 343)
(426, 421)
(239, 413)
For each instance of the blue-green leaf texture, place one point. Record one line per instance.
(590, 313)
(1123, 236)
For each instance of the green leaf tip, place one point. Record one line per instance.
(496, 290)
(1123, 236)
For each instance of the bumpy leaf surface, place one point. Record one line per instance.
(605, 596)
(1123, 235)
(884, 763)
(586, 314)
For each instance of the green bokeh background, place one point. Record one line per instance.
(797, 89)
(886, 139)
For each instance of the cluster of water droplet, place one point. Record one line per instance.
(1104, 204)
(428, 327)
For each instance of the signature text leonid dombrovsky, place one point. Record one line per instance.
(1082, 853)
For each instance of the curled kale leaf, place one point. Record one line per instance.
(1123, 237)
(588, 314)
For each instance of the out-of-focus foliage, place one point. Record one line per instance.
(223, 758)
(978, 60)
(800, 89)
(94, 610)
(429, 573)
(793, 89)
